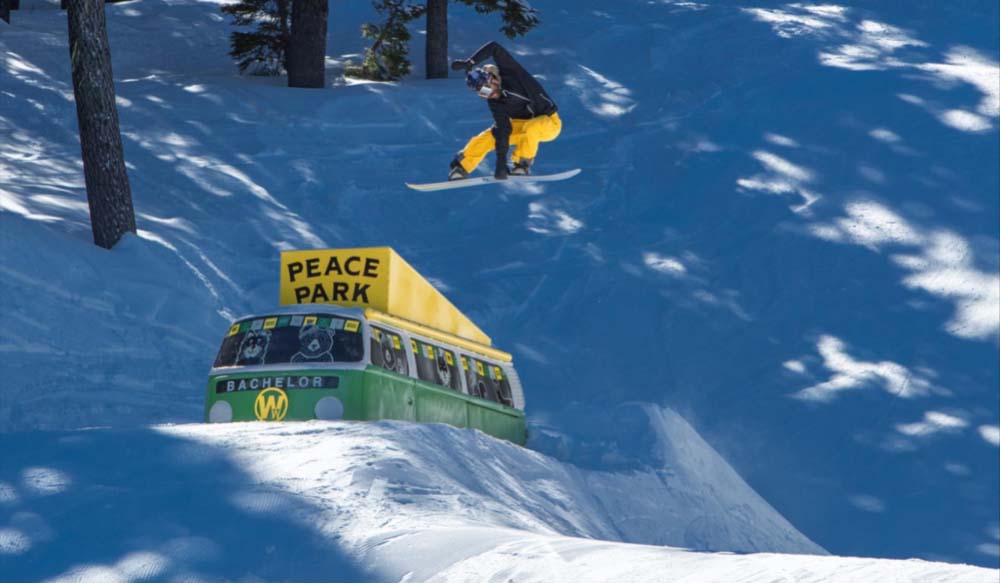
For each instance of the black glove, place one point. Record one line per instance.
(500, 172)
(462, 65)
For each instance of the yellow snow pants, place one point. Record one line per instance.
(525, 138)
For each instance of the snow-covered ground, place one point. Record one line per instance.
(786, 231)
(387, 501)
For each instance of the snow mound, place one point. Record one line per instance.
(465, 477)
(386, 501)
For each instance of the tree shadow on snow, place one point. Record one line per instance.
(142, 505)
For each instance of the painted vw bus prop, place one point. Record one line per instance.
(362, 336)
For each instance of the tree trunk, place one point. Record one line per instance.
(436, 41)
(108, 192)
(307, 48)
(5, 10)
(14, 4)
(282, 7)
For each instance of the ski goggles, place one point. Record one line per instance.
(476, 79)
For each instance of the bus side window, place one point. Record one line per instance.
(388, 351)
(472, 385)
(478, 379)
(502, 384)
(437, 365)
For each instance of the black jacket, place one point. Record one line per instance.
(522, 96)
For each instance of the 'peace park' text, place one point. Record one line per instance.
(333, 290)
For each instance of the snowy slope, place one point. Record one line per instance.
(786, 230)
(332, 501)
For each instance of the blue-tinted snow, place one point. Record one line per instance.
(786, 231)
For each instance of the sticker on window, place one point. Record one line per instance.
(351, 326)
(270, 322)
(233, 330)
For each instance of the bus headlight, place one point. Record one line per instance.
(329, 408)
(221, 412)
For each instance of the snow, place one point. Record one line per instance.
(389, 501)
(764, 318)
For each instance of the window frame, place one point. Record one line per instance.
(438, 345)
(505, 372)
(407, 337)
(370, 334)
(347, 315)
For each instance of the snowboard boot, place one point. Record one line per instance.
(455, 170)
(522, 168)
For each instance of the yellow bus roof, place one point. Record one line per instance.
(372, 278)
(460, 342)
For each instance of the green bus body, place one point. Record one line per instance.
(363, 392)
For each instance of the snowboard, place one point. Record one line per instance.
(472, 181)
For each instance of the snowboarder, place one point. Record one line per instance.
(524, 115)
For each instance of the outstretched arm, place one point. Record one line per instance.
(492, 50)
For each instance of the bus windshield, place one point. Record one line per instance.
(291, 339)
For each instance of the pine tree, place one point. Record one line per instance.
(516, 15)
(308, 43)
(6, 6)
(436, 40)
(108, 191)
(265, 49)
(387, 59)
